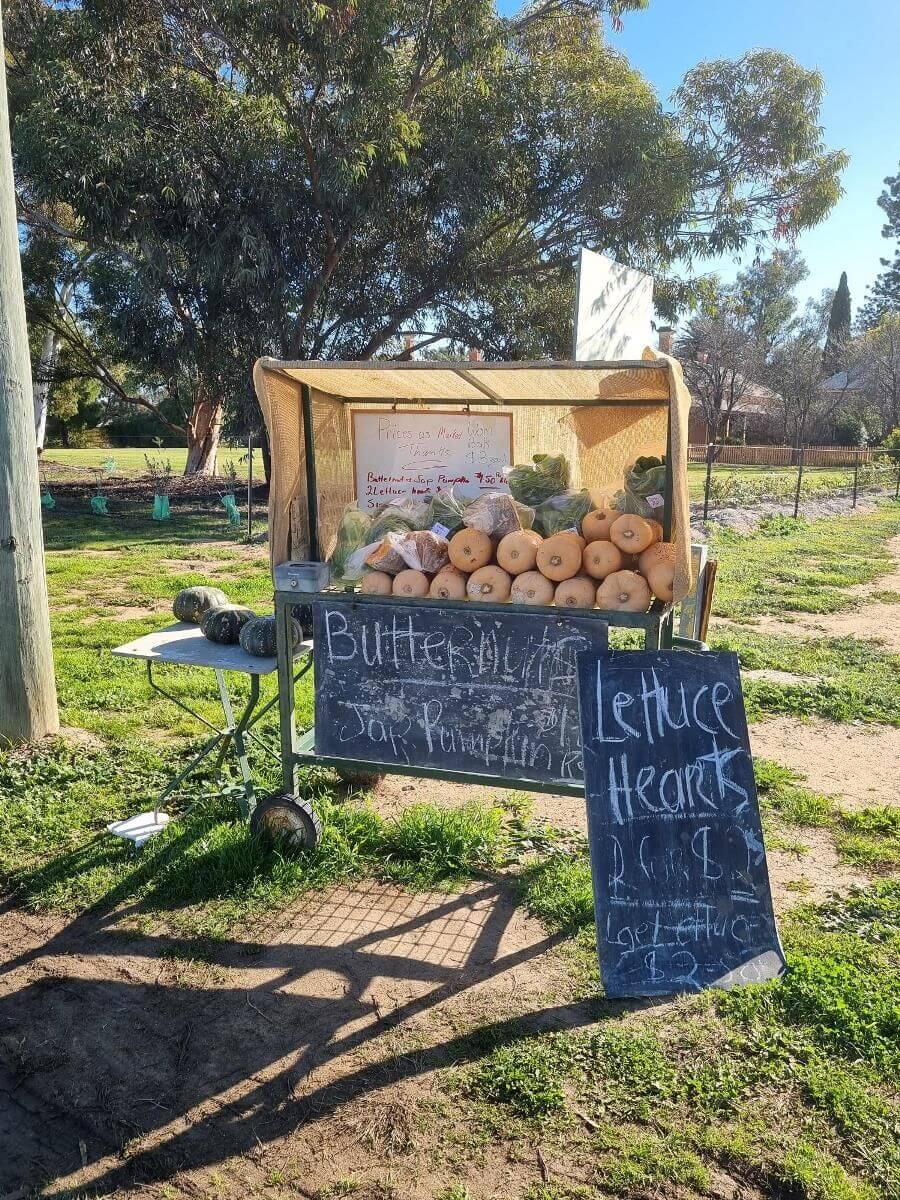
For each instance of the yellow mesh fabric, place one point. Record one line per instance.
(598, 442)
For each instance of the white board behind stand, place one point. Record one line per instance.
(411, 455)
(613, 309)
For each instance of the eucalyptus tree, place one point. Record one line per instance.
(318, 179)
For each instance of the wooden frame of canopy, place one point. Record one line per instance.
(600, 414)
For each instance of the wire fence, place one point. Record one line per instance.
(744, 476)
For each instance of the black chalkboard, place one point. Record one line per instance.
(488, 692)
(681, 886)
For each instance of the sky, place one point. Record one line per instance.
(854, 44)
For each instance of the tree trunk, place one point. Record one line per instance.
(203, 431)
(42, 387)
(27, 685)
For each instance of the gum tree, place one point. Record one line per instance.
(316, 180)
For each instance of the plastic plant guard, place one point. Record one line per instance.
(161, 508)
(47, 500)
(231, 508)
(98, 506)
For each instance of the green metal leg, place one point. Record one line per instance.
(286, 704)
(221, 738)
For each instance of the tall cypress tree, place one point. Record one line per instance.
(838, 329)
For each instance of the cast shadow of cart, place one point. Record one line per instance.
(146, 1056)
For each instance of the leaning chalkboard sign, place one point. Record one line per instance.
(681, 886)
(464, 689)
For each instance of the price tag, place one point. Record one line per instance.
(440, 530)
(656, 500)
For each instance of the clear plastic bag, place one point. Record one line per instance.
(386, 554)
(645, 488)
(497, 514)
(354, 533)
(532, 485)
(445, 512)
(425, 551)
(402, 517)
(561, 513)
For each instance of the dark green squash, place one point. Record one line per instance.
(191, 603)
(258, 637)
(224, 624)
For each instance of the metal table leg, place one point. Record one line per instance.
(221, 738)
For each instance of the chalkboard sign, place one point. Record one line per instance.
(681, 886)
(487, 692)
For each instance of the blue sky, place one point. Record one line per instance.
(854, 45)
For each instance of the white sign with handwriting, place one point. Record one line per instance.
(411, 455)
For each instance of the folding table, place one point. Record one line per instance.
(183, 644)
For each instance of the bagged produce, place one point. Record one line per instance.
(562, 513)
(354, 533)
(532, 485)
(497, 514)
(386, 555)
(445, 512)
(645, 485)
(423, 550)
(401, 517)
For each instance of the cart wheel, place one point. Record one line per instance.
(286, 820)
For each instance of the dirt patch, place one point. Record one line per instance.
(809, 876)
(773, 676)
(747, 519)
(306, 1045)
(855, 763)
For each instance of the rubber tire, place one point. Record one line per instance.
(286, 821)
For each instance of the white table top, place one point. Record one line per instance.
(184, 643)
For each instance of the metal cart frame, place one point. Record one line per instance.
(657, 624)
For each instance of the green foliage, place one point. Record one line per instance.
(838, 328)
(527, 1075)
(275, 160)
(559, 891)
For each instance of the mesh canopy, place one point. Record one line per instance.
(601, 416)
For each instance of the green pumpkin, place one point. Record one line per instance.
(258, 637)
(191, 603)
(224, 624)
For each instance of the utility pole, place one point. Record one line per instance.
(27, 683)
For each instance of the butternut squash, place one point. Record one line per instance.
(661, 578)
(657, 530)
(596, 525)
(411, 583)
(489, 583)
(517, 552)
(657, 553)
(376, 583)
(470, 549)
(531, 588)
(448, 584)
(631, 533)
(624, 591)
(600, 559)
(559, 557)
(580, 592)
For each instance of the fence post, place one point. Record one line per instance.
(250, 487)
(855, 477)
(710, 447)
(897, 488)
(799, 481)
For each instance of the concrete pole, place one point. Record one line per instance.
(27, 683)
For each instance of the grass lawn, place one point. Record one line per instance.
(131, 461)
(789, 1089)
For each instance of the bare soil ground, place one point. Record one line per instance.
(301, 1050)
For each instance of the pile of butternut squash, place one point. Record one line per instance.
(615, 561)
